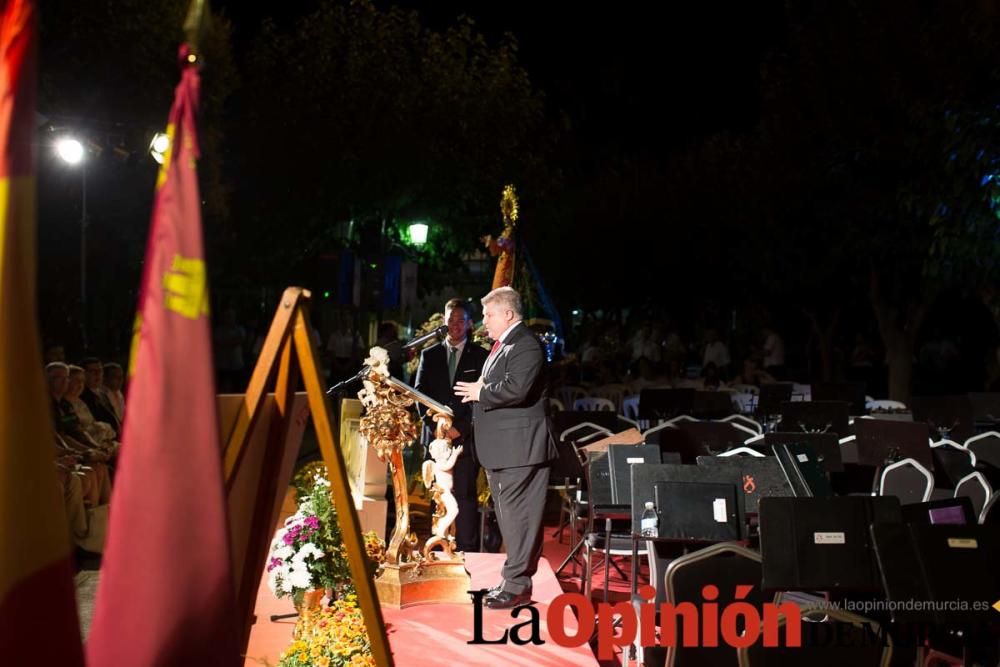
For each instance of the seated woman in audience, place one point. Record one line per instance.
(73, 441)
(102, 433)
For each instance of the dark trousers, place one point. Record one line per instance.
(466, 473)
(519, 499)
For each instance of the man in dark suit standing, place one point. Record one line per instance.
(512, 440)
(457, 358)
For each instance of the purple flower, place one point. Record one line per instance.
(275, 562)
(312, 522)
(289, 538)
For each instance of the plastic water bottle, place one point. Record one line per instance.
(649, 522)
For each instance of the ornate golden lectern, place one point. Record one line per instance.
(410, 575)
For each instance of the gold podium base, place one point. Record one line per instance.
(431, 582)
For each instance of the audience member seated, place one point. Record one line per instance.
(716, 352)
(114, 380)
(100, 432)
(94, 396)
(753, 374)
(73, 440)
(71, 484)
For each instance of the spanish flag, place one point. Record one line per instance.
(166, 592)
(38, 624)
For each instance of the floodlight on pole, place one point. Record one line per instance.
(159, 146)
(69, 150)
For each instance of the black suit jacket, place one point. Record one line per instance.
(100, 408)
(511, 426)
(432, 379)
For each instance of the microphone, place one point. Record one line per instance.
(343, 383)
(436, 333)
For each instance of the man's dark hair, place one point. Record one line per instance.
(458, 303)
(89, 361)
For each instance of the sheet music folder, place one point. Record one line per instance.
(938, 565)
(822, 544)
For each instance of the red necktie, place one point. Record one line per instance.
(496, 346)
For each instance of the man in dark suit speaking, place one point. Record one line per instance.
(512, 440)
(441, 366)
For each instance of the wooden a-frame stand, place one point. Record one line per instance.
(290, 333)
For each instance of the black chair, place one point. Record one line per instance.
(907, 480)
(854, 645)
(725, 565)
(975, 487)
(608, 532)
(990, 516)
(952, 462)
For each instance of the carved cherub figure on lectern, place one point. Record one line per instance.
(439, 479)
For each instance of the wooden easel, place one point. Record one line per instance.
(290, 331)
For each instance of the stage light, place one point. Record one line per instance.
(159, 146)
(70, 150)
(418, 233)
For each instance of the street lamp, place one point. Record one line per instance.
(71, 152)
(418, 233)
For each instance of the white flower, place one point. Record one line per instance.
(300, 577)
(283, 552)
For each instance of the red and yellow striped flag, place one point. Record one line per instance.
(166, 593)
(38, 623)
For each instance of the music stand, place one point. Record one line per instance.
(771, 397)
(825, 445)
(665, 403)
(852, 393)
(700, 511)
(712, 405)
(881, 439)
(683, 443)
(802, 468)
(715, 436)
(760, 477)
(621, 458)
(938, 564)
(815, 417)
(951, 417)
(822, 544)
(646, 476)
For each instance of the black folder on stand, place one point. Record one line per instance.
(803, 470)
(645, 478)
(699, 511)
(621, 458)
(939, 567)
(822, 544)
(760, 477)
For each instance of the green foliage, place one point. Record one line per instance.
(401, 122)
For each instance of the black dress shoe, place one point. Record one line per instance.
(505, 600)
(493, 590)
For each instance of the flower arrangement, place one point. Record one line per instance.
(334, 636)
(307, 553)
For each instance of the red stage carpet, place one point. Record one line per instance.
(438, 634)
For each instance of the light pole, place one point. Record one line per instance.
(72, 153)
